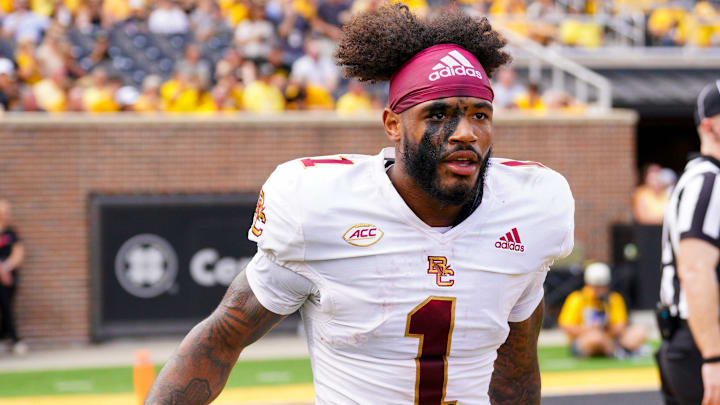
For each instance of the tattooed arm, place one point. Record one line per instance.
(516, 378)
(199, 369)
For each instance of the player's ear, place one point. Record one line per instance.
(393, 129)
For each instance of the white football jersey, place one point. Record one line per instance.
(397, 312)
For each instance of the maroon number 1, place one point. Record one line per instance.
(432, 322)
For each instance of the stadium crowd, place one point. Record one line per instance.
(207, 56)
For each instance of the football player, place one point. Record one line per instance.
(418, 271)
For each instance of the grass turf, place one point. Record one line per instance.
(245, 373)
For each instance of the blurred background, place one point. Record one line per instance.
(135, 136)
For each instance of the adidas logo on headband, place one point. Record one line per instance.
(453, 64)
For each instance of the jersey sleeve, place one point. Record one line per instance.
(277, 224)
(279, 289)
(530, 298)
(699, 209)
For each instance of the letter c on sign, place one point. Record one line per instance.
(201, 267)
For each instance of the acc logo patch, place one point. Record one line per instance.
(363, 235)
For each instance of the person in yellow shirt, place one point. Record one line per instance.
(50, 92)
(650, 198)
(99, 96)
(261, 96)
(595, 318)
(149, 99)
(356, 101)
(531, 100)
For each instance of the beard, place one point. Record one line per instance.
(421, 164)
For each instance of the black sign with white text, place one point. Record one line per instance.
(162, 263)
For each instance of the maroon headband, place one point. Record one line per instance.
(445, 70)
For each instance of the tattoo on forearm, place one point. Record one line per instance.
(197, 392)
(211, 349)
(516, 377)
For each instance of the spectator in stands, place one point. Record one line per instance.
(99, 55)
(99, 97)
(181, 93)
(577, 31)
(255, 35)
(194, 65)
(29, 68)
(50, 92)
(506, 88)
(261, 96)
(84, 23)
(115, 11)
(703, 25)
(227, 80)
(168, 18)
(125, 96)
(206, 20)
(664, 25)
(234, 11)
(293, 30)
(595, 319)
(12, 255)
(545, 15)
(558, 100)
(531, 99)
(149, 99)
(650, 198)
(8, 85)
(331, 15)
(356, 101)
(315, 69)
(50, 53)
(24, 23)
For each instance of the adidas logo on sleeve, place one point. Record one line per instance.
(510, 241)
(454, 64)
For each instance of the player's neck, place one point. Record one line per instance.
(427, 208)
(710, 149)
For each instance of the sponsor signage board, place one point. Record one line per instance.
(160, 264)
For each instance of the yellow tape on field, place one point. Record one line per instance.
(554, 383)
(599, 381)
(296, 394)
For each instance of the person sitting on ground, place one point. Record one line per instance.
(595, 319)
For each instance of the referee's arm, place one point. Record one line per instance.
(696, 263)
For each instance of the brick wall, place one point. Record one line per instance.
(50, 164)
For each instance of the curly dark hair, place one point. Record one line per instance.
(375, 44)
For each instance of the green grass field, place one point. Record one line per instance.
(245, 374)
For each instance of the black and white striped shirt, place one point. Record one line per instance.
(692, 212)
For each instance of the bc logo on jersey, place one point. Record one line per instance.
(439, 266)
(259, 215)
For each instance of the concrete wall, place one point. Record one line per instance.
(50, 164)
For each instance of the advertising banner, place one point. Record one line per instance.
(160, 264)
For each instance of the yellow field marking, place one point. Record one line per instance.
(597, 381)
(284, 394)
(553, 382)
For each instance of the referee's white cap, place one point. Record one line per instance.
(597, 274)
(708, 102)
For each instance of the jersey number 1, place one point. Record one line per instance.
(432, 322)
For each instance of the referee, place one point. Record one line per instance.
(689, 314)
